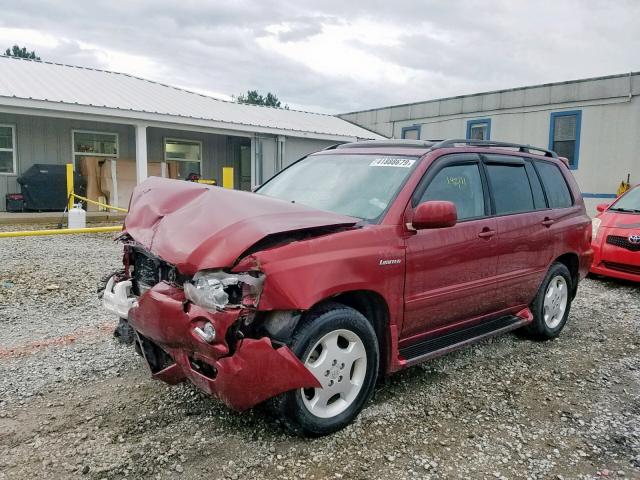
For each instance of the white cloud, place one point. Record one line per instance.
(337, 51)
(26, 36)
(334, 55)
(118, 61)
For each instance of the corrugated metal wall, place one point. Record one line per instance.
(48, 140)
(266, 158)
(215, 149)
(296, 148)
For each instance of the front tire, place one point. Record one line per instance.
(339, 346)
(552, 304)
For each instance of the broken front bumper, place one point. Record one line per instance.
(166, 325)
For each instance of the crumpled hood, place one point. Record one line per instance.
(195, 226)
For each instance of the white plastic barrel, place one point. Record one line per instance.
(77, 217)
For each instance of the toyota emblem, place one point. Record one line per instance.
(634, 239)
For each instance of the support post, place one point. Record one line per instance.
(227, 177)
(69, 186)
(114, 183)
(254, 172)
(141, 153)
(280, 156)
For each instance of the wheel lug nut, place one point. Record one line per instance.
(326, 374)
(341, 366)
(334, 363)
(331, 383)
(340, 378)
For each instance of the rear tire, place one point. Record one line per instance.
(552, 304)
(339, 346)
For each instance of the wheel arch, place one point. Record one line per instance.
(375, 309)
(572, 262)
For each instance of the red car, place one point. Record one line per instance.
(616, 237)
(354, 262)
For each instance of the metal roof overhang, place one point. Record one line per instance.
(23, 106)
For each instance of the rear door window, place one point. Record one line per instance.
(461, 185)
(555, 185)
(509, 185)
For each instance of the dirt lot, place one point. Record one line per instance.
(76, 404)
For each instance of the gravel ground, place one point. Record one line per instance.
(76, 404)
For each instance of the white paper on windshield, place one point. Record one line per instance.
(392, 162)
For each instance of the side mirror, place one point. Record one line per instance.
(602, 207)
(434, 214)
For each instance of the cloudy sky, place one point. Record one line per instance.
(335, 56)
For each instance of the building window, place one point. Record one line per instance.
(95, 144)
(183, 157)
(411, 133)
(479, 129)
(7, 149)
(564, 135)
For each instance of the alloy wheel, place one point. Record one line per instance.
(555, 301)
(339, 361)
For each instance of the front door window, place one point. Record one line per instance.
(460, 184)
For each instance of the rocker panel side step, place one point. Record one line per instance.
(436, 346)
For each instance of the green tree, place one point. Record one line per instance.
(252, 97)
(18, 52)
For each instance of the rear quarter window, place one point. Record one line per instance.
(555, 185)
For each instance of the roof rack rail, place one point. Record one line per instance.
(332, 147)
(389, 143)
(490, 143)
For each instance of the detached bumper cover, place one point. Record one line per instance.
(255, 372)
(117, 298)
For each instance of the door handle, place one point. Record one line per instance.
(547, 222)
(486, 233)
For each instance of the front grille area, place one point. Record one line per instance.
(149, 270)
(621, 267)
(623, 242)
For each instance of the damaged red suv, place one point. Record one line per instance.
(352, 263)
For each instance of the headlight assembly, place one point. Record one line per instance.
(216, 289)
(595, 225)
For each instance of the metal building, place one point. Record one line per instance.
(117, 129)
(594, 122)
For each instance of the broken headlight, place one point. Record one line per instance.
(215, 289)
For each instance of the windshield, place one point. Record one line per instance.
(361, 186)
(630, 202)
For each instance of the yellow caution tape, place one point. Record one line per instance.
(118, 209)
(62, 231)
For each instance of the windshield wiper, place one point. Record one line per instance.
(629, 210)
